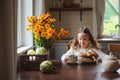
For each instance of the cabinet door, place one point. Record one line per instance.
(60, 49)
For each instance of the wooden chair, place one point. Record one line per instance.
(114, 49)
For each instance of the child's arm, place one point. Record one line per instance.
(65, 57)
(100, 53)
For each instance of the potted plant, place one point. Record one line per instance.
(44, 32)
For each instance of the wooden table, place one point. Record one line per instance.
(84, 71)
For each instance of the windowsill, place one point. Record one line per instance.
(108, 39)
(23, 49)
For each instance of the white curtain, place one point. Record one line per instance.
(100, 9)
(8, 15)
(39, 7)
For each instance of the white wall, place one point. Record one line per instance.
(39, 7)
(71, 19)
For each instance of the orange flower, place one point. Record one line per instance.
(41, 28)
(47, 26)
(43, 34)
(59, 36)
(48, 36)
(67, 33)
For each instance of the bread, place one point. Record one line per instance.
(83, 59)
(84, 55)
(92, 54)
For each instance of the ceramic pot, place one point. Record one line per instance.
(110, 63)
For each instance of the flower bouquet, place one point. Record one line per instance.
(44, 32)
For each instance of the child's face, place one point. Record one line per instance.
(83, 40)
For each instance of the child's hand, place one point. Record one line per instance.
(67, 58)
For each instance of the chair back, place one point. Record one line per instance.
(114, 47)
(115, 50)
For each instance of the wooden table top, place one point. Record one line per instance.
(84, 71)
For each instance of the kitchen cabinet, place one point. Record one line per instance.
(60, 49)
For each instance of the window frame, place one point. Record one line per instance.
(19, 37)
(24, 39)
(35, 7)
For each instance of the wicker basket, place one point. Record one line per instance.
(31, 62)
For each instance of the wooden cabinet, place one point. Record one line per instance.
(60, 49)
(70, 6)
(71, 9)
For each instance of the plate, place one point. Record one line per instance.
(68, 62)
(87, 60)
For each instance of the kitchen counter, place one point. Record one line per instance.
(61, 45)
(100, 39)
(108, 39)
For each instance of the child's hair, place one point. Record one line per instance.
(85, 30)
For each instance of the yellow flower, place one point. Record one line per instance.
(37, 36)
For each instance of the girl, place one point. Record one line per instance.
(84, 47)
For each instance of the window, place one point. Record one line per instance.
(25, 9)
(112, 18)
(24, 39)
